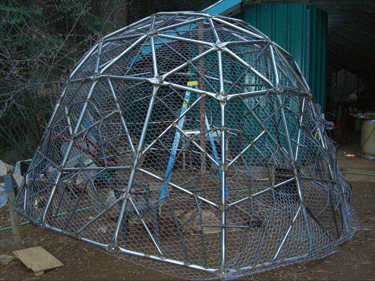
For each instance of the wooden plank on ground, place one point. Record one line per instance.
(37, 259)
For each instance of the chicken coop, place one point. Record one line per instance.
(190, 144)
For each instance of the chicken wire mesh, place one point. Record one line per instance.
(192, 144)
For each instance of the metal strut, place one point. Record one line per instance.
(176, 142)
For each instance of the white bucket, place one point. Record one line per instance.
(368, 139)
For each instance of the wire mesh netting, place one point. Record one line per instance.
(190, 144)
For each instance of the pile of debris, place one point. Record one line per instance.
(16, 171)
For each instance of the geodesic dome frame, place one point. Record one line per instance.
(190, 142)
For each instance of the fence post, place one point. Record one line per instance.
(9, 188)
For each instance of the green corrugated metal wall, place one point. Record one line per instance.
(318, 38)
(301, 30)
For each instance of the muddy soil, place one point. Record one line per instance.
(355, 259)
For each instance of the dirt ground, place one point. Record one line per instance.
(355, 259)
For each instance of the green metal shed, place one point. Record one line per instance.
(300, 29)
